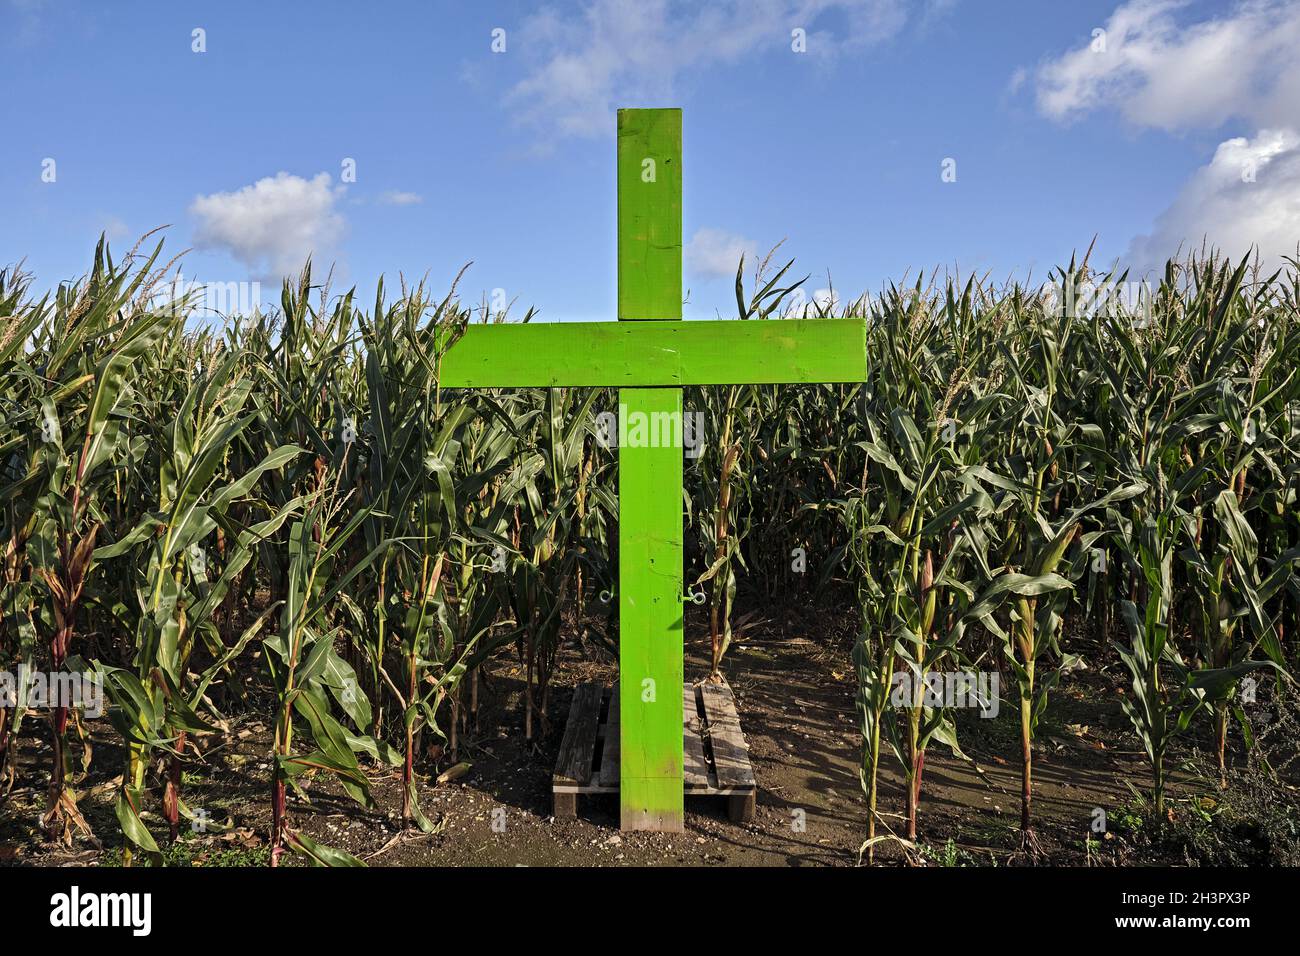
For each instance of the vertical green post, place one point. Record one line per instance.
(650, 515)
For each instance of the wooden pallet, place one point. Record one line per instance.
(715, 755)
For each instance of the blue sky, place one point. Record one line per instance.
(1181, 124)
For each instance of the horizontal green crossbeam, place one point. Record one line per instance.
(654, 352)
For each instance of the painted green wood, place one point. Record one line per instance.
(650, 214)
(650, 620)
(650, 563)
(654, 349)
(657, 353)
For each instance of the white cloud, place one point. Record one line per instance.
(826, 299)
(396, 197)
(1247, 196)
(1018, 78)
(1160, 70)
(800, 304)
(715, 253)
(114, 228)
(1163, 74)
(620, 52)
(273, 225)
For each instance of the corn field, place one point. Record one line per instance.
(1025, 483)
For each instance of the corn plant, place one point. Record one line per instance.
(546, 536)
(88, 406)
(175, 596)
(920, 465)
(416, 438)
(479, 547)
(294, 486)
(19, 387)
(719, 504)
(307, 672)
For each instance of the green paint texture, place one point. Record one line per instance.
(650, 214)
(656, 352)
(650, 570)
(650, 646)
(649, 354)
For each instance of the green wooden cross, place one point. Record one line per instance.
(650, 354)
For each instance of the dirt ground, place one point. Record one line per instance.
(795, 688)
